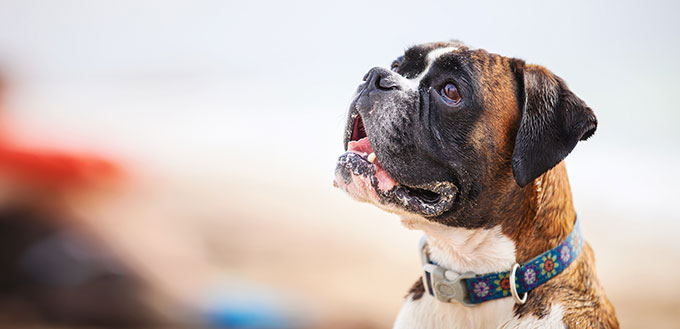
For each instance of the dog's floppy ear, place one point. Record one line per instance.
(553, 121)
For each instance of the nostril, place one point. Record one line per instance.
(387, 83)
(381, 79)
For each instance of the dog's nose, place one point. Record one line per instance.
(381, 79)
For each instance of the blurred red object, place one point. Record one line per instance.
(54, 168)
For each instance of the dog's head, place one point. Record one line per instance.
(449, 129)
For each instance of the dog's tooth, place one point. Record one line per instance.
(371, 157)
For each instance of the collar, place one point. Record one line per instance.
(471, 289)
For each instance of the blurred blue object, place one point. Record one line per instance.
(247, 306)
(247, 316)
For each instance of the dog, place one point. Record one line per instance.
(468, 147)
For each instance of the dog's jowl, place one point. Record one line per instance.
(468, 147)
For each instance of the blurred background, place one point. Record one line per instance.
(167, 163)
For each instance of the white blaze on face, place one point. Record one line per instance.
(412, 84)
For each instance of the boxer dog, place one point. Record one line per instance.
(468, 146)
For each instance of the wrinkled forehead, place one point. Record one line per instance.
(418, 59)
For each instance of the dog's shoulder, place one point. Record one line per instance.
(417, 290)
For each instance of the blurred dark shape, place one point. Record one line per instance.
(57, 274)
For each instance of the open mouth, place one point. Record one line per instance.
(359, 169)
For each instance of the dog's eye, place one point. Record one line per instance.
(395, 66)
(450, 94)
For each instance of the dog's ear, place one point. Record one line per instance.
(552, 121)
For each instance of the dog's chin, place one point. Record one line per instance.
(368, 181)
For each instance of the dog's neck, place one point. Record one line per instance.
(548, 214)
(530, 221)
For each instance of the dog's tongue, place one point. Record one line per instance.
(360, 146)
(363, 146)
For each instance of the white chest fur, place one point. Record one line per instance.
(428, 312)
(463, 250)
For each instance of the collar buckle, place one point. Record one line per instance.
(445, 285)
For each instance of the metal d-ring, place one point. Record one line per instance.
(513, 289)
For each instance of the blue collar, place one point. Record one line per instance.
(471, 288)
